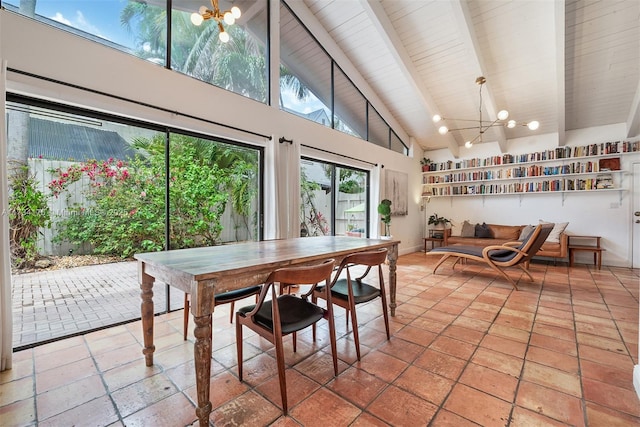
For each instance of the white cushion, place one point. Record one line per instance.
(558, 228)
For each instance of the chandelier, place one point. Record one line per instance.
(228, 17)
(483, 126)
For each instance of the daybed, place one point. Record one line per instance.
(496, 234)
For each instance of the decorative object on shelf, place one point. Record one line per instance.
(425, 162)
(228, 17)
(482, 126)
(384, 209)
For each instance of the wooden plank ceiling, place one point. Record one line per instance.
(568, 64)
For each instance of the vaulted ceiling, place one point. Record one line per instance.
(569, 64)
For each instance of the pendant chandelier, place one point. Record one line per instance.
(483, 126)
(228, 17)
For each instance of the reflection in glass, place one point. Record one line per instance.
(315, 198)
(350, 106)
(351, 202)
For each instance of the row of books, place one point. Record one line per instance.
(557, 153)
(528, 187)
(519, 172)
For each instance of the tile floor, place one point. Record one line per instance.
(465, 350)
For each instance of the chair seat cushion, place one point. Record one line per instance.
(362, 292)
(295, 313)
(237, 294)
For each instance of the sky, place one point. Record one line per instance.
(98, 17)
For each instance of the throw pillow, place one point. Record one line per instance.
(558, 228)
(483, 231)
(468, 229)
(526, 232)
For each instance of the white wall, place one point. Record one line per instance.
(607, 214)
(32, 47)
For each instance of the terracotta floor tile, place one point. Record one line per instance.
(59, 357)
(401, 349)
(567, 334)
(497, 361)
(298, 388)
(21, 368)
(96, 412)
(383, 366)
(441, 363)
(425, 384)
(489, 381)
(553, 359)
(320, 409)
(604, 357)
(470, 336)
(551, 403)
(56, 401)
(19, 413)
(616, 346)
(552, 378)
(415, 335)
(222, 388)
(319, 367)
(602, 416)
(366, 420)
(555, 344)
(175, 410)
(65, 374)
(453, 347)
(449, 419)
(612, 375)
(142, 393)
(522, 417)
(621, 399)
(477, 406)
(399, 408)
(504, 345)
(16, 391)
(357, 386)
(469, 323)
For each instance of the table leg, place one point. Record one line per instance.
(570, 257)
(202, 355)
(393, 258)
(146, 308)
(202, 306)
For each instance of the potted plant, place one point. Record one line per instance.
(384, 209)
(438, 221)
(425, 162)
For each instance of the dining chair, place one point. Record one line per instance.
(223, 298)
(287, 314)
(347, 292)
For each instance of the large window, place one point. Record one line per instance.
(333, 200)
(88, 191)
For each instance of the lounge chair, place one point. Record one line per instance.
(498, 257)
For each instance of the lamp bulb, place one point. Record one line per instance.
(437, 118)
(229, 18)
(533, 125)
(468, 144)
(223, 36)
(203, 10)
(235, 11)
(196, 19)
(503, 114)
(511, 124)
(442, 130)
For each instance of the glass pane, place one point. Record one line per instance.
(305, 72)
(315, 198)
(397, 145)
(351, 203)
(378, 129)
(213, 192)
(350, 106)
(83, 199)
(135, 27)
(238, 65)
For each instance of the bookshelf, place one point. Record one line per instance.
(581, 169)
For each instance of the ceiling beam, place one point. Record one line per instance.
(560, 18)
(385, 29)
(633, 122)
(468, 36)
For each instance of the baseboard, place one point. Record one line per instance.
(636, 379)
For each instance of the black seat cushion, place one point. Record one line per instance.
(295, 313)
(237, 294)
(362, 292)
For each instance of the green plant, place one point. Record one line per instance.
(434, 219)
(425, 161)
(28, 211)
(384, 209)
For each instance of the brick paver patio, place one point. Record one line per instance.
(55, 303)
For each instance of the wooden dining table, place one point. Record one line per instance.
(206, 271)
